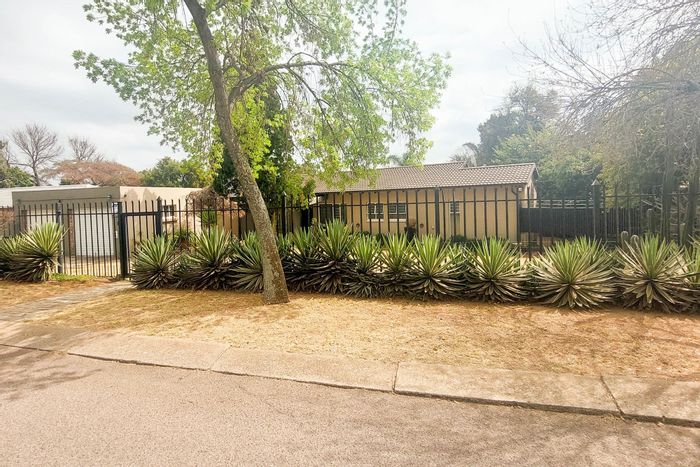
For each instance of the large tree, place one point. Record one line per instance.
(187, 173)
(82, 149)
(101, 173)
(349, 85)
(629, 71)
(37, 150)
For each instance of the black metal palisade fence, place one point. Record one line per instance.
(100, 237)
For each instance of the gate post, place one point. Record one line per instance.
(123, 245)
(159, 217)
(59, 222)
(284, 213)
(596, 208)
(436, 202)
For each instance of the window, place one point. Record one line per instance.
(169, 213)
(398, 211)
(454, 208)
(375, 211)
(329, 212)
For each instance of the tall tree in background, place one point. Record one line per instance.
(349, 84)
(187, 173)
(11, 176)
(525, 109)
(82, 149)
(100, 173)
(38, 149)
(629, 72)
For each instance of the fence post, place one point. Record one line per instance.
(596, 207)
(123, 244)
(284, 213)
(159, 217)
(59, 222)
(436, 201)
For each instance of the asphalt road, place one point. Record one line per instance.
(57, 409)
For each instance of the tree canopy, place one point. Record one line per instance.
(187, 173)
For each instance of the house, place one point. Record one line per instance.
(448, 199)
(88, 214)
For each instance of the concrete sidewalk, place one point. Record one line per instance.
(656, 400)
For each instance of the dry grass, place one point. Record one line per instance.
(612, 341)
(15, 293)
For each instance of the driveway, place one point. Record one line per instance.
(59, 409)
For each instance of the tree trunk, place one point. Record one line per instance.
(275, 286)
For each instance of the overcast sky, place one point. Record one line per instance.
(38, 82)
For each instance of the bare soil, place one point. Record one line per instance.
(517, 336)
(15, 293)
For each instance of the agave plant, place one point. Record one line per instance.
(300, 258)
(210, 264)
(433, 273)
(652, 273)
(396, 261)
(248, 269)
(364, 281)
(36, 254)
(8, 247)
(333, 265)
(155, 263)
(495, 272)
(574, 274)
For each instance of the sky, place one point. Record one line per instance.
(38, 82)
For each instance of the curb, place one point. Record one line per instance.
(561, 393)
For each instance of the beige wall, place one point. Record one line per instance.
(475, 218)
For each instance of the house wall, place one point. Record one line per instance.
(480, 212)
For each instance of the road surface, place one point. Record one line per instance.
(57, 409)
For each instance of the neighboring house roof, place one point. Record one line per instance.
(446, 175)
(6, 193)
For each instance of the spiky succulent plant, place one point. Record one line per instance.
(652, 273)
(495, 272)
(332, 266)
(396, 260)
(692, 260)
(433, 272)
(210, 264)
(8, 247)
(36, 254)
(576, 274)
(248, 269)
(300, 259)
(155, 263)
(364, 280)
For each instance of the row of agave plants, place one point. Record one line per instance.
(33, 256)
(643, 272)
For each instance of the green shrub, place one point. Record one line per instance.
(364, 281)
(333, 264)
(495, 272)
(433, 273)
(574, 274)
(36, 254)
(395, 262)
(154, 264)
(248, 268)
(210, 264)
(652, 273)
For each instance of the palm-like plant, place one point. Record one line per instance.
(300, 259)
(495, 272)
(396, 261)
(364, 280)
(692, 260)
(333, 265)
(653, 273)
(155, 263)
(8, 247)
(248, 269)
(210, 264)
(36, 254)
(574, 274)
(433, 273)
